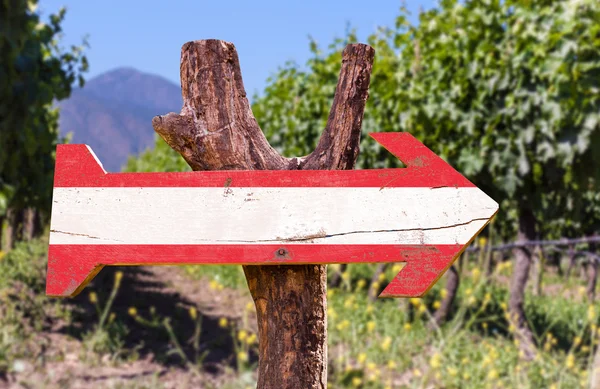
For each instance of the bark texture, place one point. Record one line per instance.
(374, 286)
(14, 228)
(518, 283)
(216, 130)
(452, 283)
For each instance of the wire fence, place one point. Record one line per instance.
(557, 243)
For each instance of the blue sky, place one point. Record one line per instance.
(148, 35)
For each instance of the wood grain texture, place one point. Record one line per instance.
(216, 130)
(245, 204)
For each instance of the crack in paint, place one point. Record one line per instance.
(86, 235)
(316, 236)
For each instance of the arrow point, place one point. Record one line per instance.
(68, 274)
(420, 274)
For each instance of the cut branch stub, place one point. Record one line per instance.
(216, 130)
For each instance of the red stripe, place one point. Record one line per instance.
(70, 265)
(76, 167)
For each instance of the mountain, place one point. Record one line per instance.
(113, 113)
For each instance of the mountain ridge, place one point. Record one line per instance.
(113, 113)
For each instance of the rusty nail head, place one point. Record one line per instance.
(281, 252)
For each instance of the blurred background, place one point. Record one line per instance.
(508, 92)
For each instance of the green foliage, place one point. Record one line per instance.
(34, 72)
(162, 158)
(507, 92)
(26, 263)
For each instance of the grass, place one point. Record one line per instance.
(389, 343)
(392, 343)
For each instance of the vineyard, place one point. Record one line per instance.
(508, 93)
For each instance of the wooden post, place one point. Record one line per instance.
(216, 130)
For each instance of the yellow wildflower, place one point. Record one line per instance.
(391, 364)
(482, 241)
(452, 371)
(469, 291)
(466, 376)
(443, 293)
(361, 284)
(370, 326)
(417, 373)
(371, 366)
(503, 306)
(581, 290)
(570, 363)
(381, 277)
(251, 339)
(93, 297)
(370, 308)
(213, 284)
(493, 374)
(591, 313)
(118, 277)
(111, 317)
(397, 267)
(437, 304)
(343, 325)
(476, 273)
(349, 302)
(242, 356)
(223, 322)
(362, 357)
(415, 301)
(345, 276)
(193, 313)
(331, 313)
(375, 285)
(330, 292)
(387, 342)
(422, 308)
(407, 326)
(464, 361)
(577, 341)
(356, 381)
(242, 335)
(250, 306)
(132, 311)
(436, 360)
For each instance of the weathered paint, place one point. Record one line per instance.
(423, 215)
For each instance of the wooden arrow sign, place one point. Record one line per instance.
(423, 215)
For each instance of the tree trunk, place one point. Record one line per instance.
(379, 270)
(452, 283)
(571, 262)
(217, 131)
(2, 233)
(518, 282)
(31, 228)
(539, 259)
(14, 228)
(592, 270)
(336, 278)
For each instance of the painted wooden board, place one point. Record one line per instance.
(424, 215)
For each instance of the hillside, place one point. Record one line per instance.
(112, 113)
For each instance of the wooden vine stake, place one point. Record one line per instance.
(216, 130)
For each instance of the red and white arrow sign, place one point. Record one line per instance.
(424, 215)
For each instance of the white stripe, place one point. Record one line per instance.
(268, 215)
